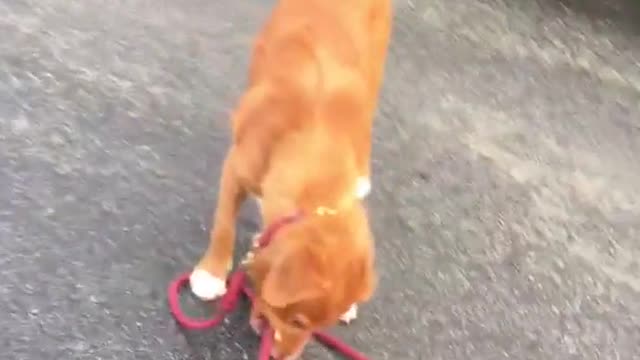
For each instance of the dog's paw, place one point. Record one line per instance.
(206, 286)
(363, 187)
(350, 315)
(255, 240)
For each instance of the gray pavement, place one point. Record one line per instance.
(506, 200)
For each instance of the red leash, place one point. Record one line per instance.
(236, 287)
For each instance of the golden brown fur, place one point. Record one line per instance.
(301, 139)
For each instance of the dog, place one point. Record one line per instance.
(301, 142)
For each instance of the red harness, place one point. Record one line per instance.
(237, 286)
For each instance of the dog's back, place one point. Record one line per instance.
(316, 63)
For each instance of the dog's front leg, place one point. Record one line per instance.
(208, 277)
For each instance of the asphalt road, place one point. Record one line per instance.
(506, 197)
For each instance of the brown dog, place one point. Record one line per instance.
(302, 142)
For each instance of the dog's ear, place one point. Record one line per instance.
(295, 275)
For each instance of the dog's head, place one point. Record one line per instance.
(310, 274)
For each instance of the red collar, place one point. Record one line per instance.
(270, 232)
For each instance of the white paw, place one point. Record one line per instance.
(255, 240)
(206, 286)
(363, 187)
(350, 315)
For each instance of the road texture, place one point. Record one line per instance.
(506, 197)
